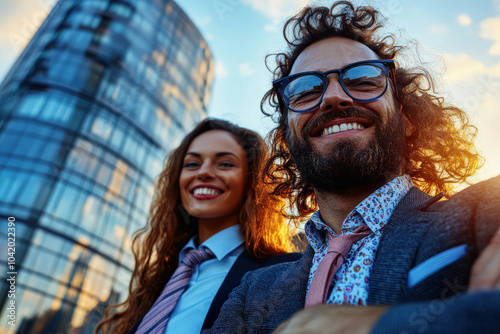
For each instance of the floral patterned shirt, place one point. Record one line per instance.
(350, 282)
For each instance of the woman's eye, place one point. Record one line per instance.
(190, 165)
(226, 164)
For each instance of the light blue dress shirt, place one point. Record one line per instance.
(191, 309)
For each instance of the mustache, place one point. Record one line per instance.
(338, 114)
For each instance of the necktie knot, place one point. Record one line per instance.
(196, 256)
(338, 247)
(342, 244)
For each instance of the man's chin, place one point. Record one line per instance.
(345, 183)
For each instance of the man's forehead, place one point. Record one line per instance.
(331, 53)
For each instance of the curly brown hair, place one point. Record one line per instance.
(440, 152)
(156, 247)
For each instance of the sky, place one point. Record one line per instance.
(458, 40)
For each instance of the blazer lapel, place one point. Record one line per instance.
(395, 256)
(243, 264)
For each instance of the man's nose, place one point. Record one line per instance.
(335, 96)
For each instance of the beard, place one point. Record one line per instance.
(347, 166)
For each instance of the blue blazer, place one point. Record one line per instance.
(422, 264)
(243, 264)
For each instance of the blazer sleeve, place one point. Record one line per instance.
(477, 312)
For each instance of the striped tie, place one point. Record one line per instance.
(338, 247)
(155, 321)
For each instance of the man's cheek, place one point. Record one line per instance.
(293, 127)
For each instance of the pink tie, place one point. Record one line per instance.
(155, 321)
(338, 247)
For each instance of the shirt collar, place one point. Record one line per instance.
(221, 243)
(383, 200)
(369, 210)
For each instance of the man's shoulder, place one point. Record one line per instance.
(484, 193)
(270, 271)
(288, 264)
(490, 187)
(278, 264)
(282, 258)
(471, 216)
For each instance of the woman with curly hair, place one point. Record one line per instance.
(211, 221)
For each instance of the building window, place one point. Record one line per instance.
(95, 4)
(121, 10)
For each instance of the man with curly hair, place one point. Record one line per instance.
(375, 149)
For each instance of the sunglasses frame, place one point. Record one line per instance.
(385, 64)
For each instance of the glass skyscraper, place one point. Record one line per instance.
(87, 115)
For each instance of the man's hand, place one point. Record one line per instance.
(333, 319)
(485, 274)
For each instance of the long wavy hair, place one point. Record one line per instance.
(156, 247)
(440, 152)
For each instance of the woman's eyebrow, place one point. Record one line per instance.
(217, 155)
(226, 153)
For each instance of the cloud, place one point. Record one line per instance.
(464, 19)
(438, 29)
(462, 67)
(220, 70)
(488, 135)
(476, 88)
(490, 29)
(495, 70)
(277, 10)
(496, 3)
(246, 70)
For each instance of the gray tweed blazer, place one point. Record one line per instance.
(422, 266)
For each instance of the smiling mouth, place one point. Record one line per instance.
(341, 128)
(207, 191)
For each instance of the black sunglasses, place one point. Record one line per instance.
(363, 81)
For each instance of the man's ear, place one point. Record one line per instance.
(409, 127)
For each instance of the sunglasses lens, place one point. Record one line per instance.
(303, 92)
(364, 82)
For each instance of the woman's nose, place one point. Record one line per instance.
(205, 171)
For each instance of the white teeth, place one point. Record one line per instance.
(205, 191)
(342, 127)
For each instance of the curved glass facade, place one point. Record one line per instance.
(87, 114)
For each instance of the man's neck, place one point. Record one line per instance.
(335, 206)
